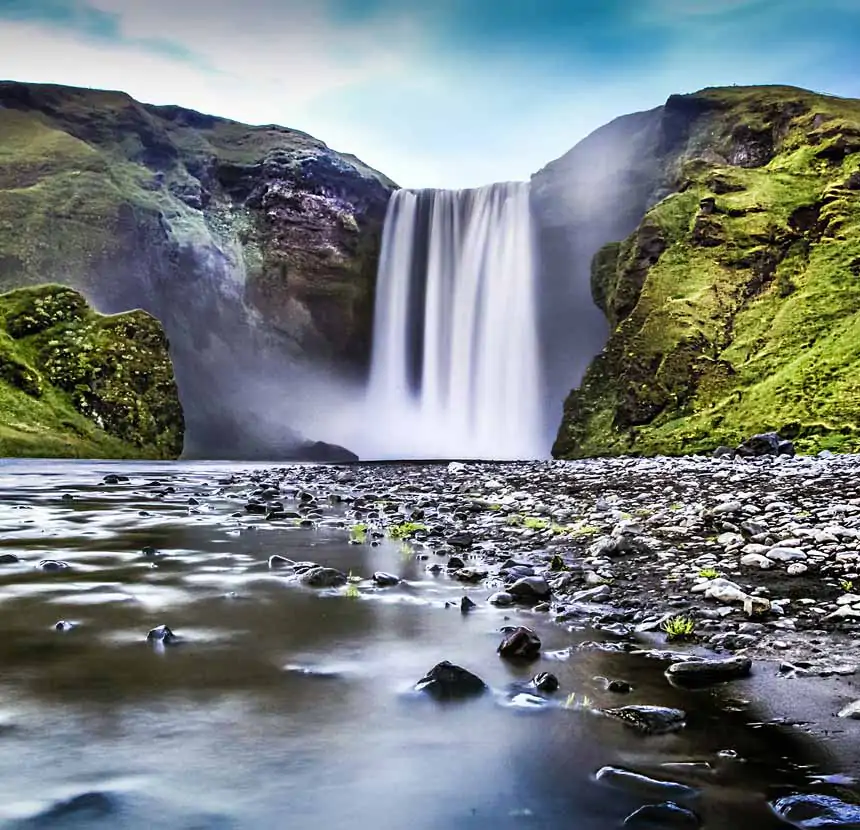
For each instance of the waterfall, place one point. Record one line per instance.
(455, 367)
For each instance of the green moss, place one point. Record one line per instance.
(75, 383)
(749, 320)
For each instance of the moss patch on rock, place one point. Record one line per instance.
(735, 306)
(74, 383)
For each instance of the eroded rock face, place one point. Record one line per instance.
(256, 247)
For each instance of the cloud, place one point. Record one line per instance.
(449, 93)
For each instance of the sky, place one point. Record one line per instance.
(434, 93)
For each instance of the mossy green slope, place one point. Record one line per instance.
(78, 384)
(98, 191)
(735, 306)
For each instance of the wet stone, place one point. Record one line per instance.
(705, 672)
(638, 784)
(162, 634)
(53, 565)
(817, 811)
(652, 720)
(521, 643)
(445, 681)
(8, 559)
(545, 682)
(323, 578)
(385, 580)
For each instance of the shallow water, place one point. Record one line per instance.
(284, 706)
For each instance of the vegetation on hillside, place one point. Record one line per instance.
(74, 383)
(735, 305)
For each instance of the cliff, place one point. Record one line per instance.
(733, 304)
(256, 247)
(74, 383)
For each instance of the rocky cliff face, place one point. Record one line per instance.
(79, 384)
(733, 301)
(255, 246)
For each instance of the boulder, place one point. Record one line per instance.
(521, 643)
(319, 577)
(652, 720)
(445, 681)
(530, 588)
(706, 672)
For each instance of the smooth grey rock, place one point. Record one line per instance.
(780, 554)
(705, 672)
(385, 580)
(502, 599)
(530, 588)
(634, 782)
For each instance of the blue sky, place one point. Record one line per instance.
(436, 93)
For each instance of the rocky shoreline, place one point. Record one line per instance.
(738, 557)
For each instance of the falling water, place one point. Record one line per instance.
(455, 368)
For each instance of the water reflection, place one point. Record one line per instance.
(284, 706)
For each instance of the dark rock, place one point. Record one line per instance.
(445, 681)
(455, 563)
(665, 816)
(150, 552)
(817, 811)
(256, 507)
(461, 540)
(385, 580)
(470, 575)
(652, 720)
(65, 625)
(8, 559)
(766, 443)
(323, 578)
(621, 687)
(521, 643)
(162, 634)
(545, 682)
(786, 448)
(705, 672)
(53, 565)
(466, 605)
(111, 479)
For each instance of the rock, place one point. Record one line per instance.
(852, 710)
(445, 681)
(706, 672)
(612, 546)
(521, 643)
(756, 606)
(461, 540)
(385, 580)
(470, 575)
(786, 448)
(652, 720)
(455, 563)
(53, 565)
(813, 811)
(619, 687)
(796, 569)
(723, 452)
(721, 590)
(502, 599)
(162, 634)
(256, 507)
(634, 782)
(590, 594)
(65, 625)
(466, 605)
(665, 816)
(319, 577)
(530, 588)
(756, 560)
(780, 554)
(766, 443)
(8, 559)
(545, 682)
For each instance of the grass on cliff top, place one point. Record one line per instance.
(720, 345)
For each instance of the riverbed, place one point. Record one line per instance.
(283, 705)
